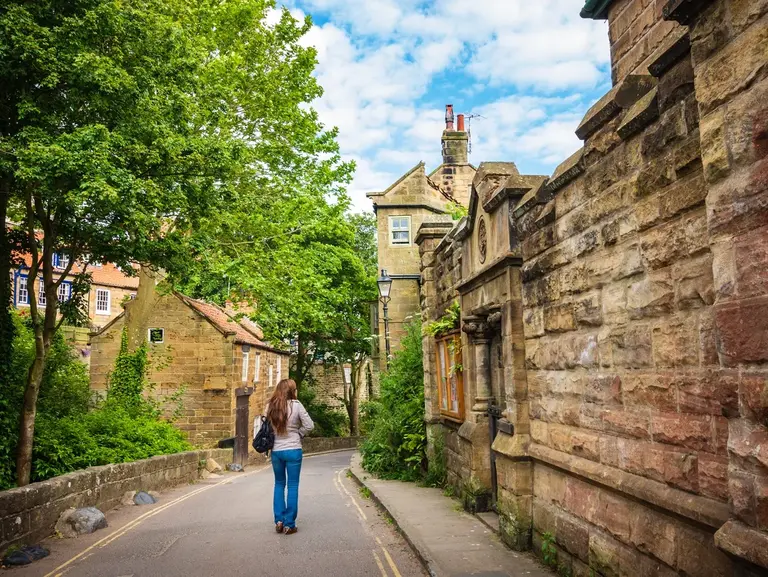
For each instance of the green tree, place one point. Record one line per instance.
(131, 125)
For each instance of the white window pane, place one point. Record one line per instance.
(41, 300)
(102, 301)
(23, 294)
(257, 368)
(64, 292)
(246, 358)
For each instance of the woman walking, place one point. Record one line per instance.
(291, 422)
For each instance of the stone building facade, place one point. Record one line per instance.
(416, 198)
(199, 346)
(614, 315)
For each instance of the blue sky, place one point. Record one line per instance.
(388, 67)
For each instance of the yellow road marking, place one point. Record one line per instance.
(362, 514)
(390, 561)
(123, 530)
(380, 564)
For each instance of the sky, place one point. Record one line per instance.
(528, 70)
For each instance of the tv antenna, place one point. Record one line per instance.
(469, 129)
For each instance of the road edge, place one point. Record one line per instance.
(420, 549)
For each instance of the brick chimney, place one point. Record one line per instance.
(454, 141)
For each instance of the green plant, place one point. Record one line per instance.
(396, 441)
(548, 550)
(457, 211)
(436, 466)
(365, 492)
(448, 322)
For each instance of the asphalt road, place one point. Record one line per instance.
(223, 527)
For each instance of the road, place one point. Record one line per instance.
(224, 527)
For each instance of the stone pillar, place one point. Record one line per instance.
(479, 333)
(729, 51)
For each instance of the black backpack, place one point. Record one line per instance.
(265, 438)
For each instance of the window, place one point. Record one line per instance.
(156, 336)
(22, 292)
(279, 370)
(103, 302)
(348, 375)
(256, 367)
(64, 292)
(450, 380)
(41, 300)
(271, 384)
(60, 261)
(400, 230)
(246, 361)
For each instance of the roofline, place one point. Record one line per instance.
(398, 181)
(596, 9)
(442, 164)
(108, 325)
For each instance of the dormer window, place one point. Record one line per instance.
(400, 230)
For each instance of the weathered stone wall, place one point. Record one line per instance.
(644, 311)
(328, 382)
(636, 30)
(312, 445)
(28, 514)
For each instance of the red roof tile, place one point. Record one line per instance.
(105, 275)
(245, 331)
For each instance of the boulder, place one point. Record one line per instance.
(212, 466)
(144, 498)
(127, 500)
(235, 468)
(74, 522)
(25, 556)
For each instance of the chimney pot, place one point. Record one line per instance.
(449, 116)
(460, 125)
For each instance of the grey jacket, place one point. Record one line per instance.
(299, 424)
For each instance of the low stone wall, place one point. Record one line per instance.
(28, 514)
(322, 444)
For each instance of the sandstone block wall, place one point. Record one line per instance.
(29, 514)
(644, 304)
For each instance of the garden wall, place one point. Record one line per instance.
(29, 514)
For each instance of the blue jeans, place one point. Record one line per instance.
(286, 461)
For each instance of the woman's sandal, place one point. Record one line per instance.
(279, 527)
(290, 530)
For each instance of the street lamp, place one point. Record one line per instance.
(385, 285)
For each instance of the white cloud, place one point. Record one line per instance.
(388, 66)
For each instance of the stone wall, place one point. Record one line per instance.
(328, 383)
(29, 514)
(643, 305)
(311, 445)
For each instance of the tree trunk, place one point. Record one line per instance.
(7, 331)
(28, 414)
(354, 400)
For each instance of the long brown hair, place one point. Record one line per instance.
(277, 412)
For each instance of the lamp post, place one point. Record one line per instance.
(385, 285)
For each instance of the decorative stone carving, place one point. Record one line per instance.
(482, 240)
(477, 328)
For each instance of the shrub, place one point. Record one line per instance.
(74, 429)
(396, 437)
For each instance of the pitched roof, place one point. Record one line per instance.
(245, 331)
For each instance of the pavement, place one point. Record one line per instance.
(223, 526)
(449, 542)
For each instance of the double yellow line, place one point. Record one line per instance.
(340, 487)
(58, 572)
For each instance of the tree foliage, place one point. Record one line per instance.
(143, 132)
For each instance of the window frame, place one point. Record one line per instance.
(20, 303)
(108, 312)
(67, 286)
(256, 366)
(245, 367)
(271, 377)
(392, 231)
(443, 346)
(42, 298)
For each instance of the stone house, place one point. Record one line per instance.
(331, 381)
(415, 198)
(608, 381)
(199, 346)
(110, 287)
